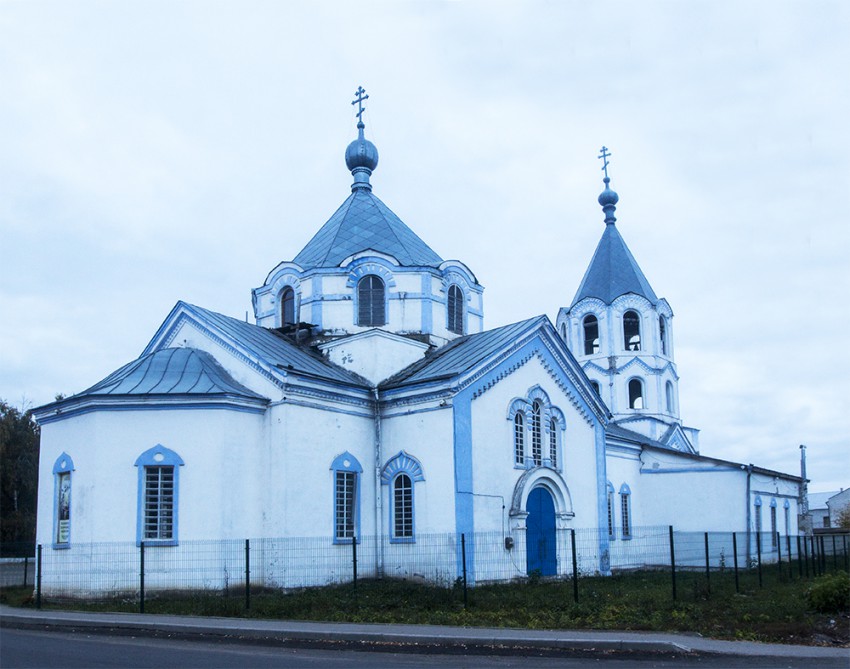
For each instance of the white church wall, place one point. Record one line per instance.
(375, 354)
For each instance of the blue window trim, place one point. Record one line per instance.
(401, 463)
(556, 415)
(158, 456)
(346, 462)
(626, 492)
(63, 465)
(611, 506)
(463, 310)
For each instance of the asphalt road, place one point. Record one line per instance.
(45, 649)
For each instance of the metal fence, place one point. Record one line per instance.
(135, 571)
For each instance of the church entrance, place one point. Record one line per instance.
(540, 546)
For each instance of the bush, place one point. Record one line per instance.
(831, 593)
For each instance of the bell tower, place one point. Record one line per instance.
(622, 335)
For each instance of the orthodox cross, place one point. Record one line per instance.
(359, 102)
(604, 155)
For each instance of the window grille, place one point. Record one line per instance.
(455, 308)
(610, 511)
(346, 486)
(402, 507)
(536, 436)
(371, 308)
(553, 443)
(159, 503)
(519, 439)
(626, 514)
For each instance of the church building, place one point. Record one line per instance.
(367, 403)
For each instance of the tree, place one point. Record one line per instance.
(19, 442)
(844, 517)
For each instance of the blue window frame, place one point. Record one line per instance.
(401, 473)
(62, 469)
(455, 309)
(536, 433)
(287, 307)
(610, 511)
(371, 301)
(626, 511)
(346, 471)
(773, 539)
(159, 479)
(519, 439)
(757, 510)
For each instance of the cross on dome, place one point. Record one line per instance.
(359, 102)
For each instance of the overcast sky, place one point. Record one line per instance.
(158, 151)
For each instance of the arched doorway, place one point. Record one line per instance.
(540, 546)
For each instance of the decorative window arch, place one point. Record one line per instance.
(610, 494)
(62, 469)
(636, 399)
(371, 301)
(159, 485)
(400, 474)
(346, 498)
(541, 446)
(626, 511)
(757, 511)
(536, 432)
(631, 331)
(662, 335)
(590, 330)
(557, 429)
(287, 306)
(455, 309)
(668, 392)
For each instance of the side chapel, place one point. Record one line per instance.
(369, 403)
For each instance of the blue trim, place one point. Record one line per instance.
(346, 462)
(63, 466)
(626, 492)
(427, 304)
(412, 538)
(690, 470)
(602, 485)
(402, 462)
(158, 456)
(464, 501)
(111, 403)
(316, 301)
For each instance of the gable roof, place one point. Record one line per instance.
(271, 347)
(171, 371)
(364, 222)
(461, 354)
(613, 271)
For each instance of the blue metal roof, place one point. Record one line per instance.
(364, 222)
(613, 272)
(172, 371)
(461, 354)
(273, 348)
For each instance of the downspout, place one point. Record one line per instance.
(803, 526)
(749, 514)
(379, 516)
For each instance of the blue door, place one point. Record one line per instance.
(540, 549)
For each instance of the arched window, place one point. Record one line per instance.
(402, 523)
(626, 510)
(62, 501)
(787, 508)
(346, 493)
(635, 394)
(595, 385)
(773, 539)
(287, 307)
(564, 331)
(401, 474)
(757, 510)
(662, 331)
(158, 495)
(631, 331)
(553, 443)
(610, 510)
(371, 307)
(519, 439)
(455, 307)
(536, 434)
(668, 388)
(591, 334)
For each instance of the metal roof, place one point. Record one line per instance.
(364, 222)
(171, 371)
(461, 355)
(273, 348)
(613, 271)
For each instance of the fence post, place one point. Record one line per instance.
(463, 560)
(790, 563)
(354, 560)
(141, 577)
(38, 577)
(575, 565)
(779, 555)
(707, 567)
(672, 562)
(735, 559)
(758, 555)
(26, 568)
(814, 546)
(844, 544)
(247, 574)
(822, 554)
(834, 555)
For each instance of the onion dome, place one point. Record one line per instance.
(608, 199)
(361, 157)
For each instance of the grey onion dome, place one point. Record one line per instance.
(608, 196)
(361, 152)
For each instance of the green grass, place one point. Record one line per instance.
(777, 612)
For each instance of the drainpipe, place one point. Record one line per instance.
(803, 518)
(379, 516)
(749, 469)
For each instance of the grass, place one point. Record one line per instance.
(777, 612)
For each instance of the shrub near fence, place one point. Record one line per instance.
(704, 560)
